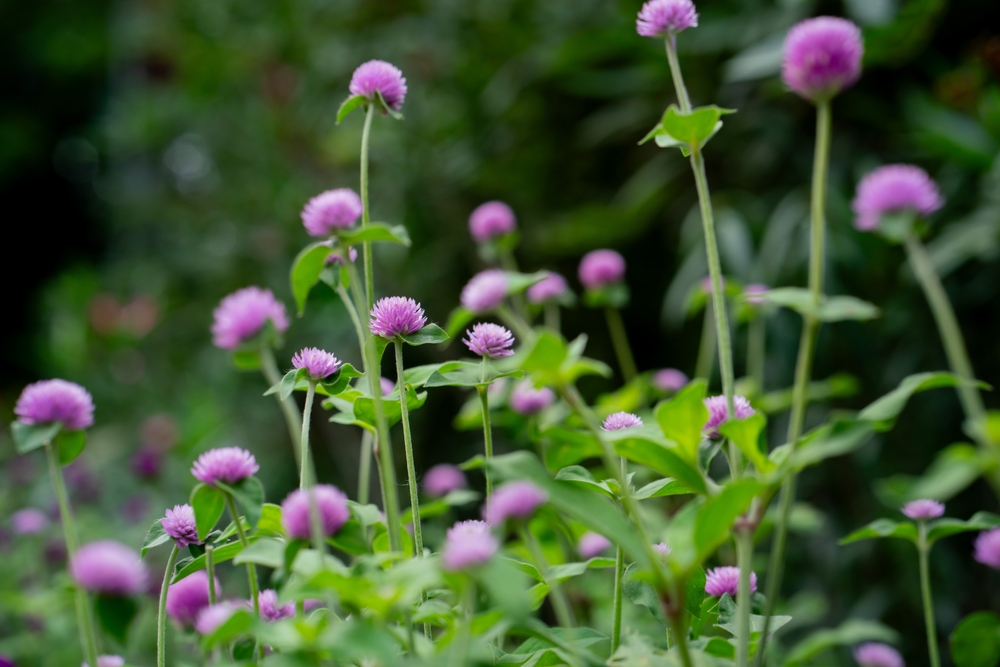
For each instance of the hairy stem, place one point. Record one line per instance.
(411, 472)
(288, 408)
(619, 338)
(365, 467)
(304, 440)
(161, 618)
(210, 570)
(923, 549)
(251, 568)
(484, 403)
(365, 214)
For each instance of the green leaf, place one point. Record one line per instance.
(505, 586)
(947, 526)
(431, 333)
(240, 623)
(716, 516)
(246, 360)
(883, 528)
(518, 282)
(335, 384)
(826, 441)
(642, 594)
(376, 232)
(746, 433)
(662, 487)
(270, 520)
(830, 308)
(727, 619)
(70, 445)
(467, 374)
(695, 592)
(694, 128)
(458, 320)
(581, 477)
(219, 555)
(266, 551)
(286, 386)
(683, 417)
(155, 536)
(386, 108)
(885, 410)
(417, 376)
(849, 633)
(953, 470)
(249, 493)
(306, 269)
(115, 614)
(564, 447)
(664, 460)
(29, 437)
(208, 503)
(349, 105)
(976, 640)
(364, 407)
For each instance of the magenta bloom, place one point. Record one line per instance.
(621, 420)
(330, 502)
(108, 661)
(468, 543)
(525, 399)
(669, 379)
(592, 544)
(242, 315)
(662, 548)
(229, 465)
(387, 386)
(319, 364)
(378, 76)
(189, 596)
(924, 509)
(548, 288)
(109, 568)
(724, 580)
(179, 524)
(891, 189)
(270, 609)
(876, 654)
(212, 617)
(29, 521)
(396, 316)
(489, 340)
(822, 57)
(485, 291)
(513, 500)
(442, 479)
(718, 412)
(331, 210)
(55, 401)
(753, 294)
(988, 548)
(490, 220)
(600, 268)
(662, 17)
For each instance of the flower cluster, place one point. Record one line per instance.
(489, 340)
(319, 364)
(229, 465)
(55, 401)
(396, 316)
(243, 314)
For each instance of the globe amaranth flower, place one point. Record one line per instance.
(513, 500)
(525, 399)
(665, 17)
(548, 288)
(490, 220)
(378, 76)
(621, 420)
(442, 479)
(876, 654)
(485, 291)
(319, 364)
(55, 401)
(754, 293)
(229, 465)
(187, 598)
(396, 316)
(489, 340)
(331, 503)
(718, 412)
(892, 189)
(592, 544)
(600, 268)
(331, 210)
(663, 549)
(988, 548)
(387, 386)
(722, 580)
(109, 568)
(923, 509)
(669, 379)
(468, 543)
(271, 609)
(179, 523)
(29, 521)
(822, 57)
(213, 616)
(108, 661)
(243, 314)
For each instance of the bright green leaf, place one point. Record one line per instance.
(349, 105)
(70, 445)
(664, 460)
(266, 551)
(155, 536)
(683, 417)
(431, 333)
(746, 433)
(375, 233)
(976, 640)
(885, 410)
(220, 555)
(883, 528)
(208, 503)
(717, 515)
(306, 269)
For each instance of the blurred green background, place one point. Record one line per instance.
(154, 157)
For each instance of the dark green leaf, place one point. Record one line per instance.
(306, 269)
(976, 640)
(286, 386)
(431, 333)
(642, 594)
(70, 445)
(28, 437)
(683, 417)
(249, 493)
(664, 460)
(208, 503)
(349, 105)
(155, 536)
(883, 528)
(660, 488)
(219, 555)
(115, 615)
(375, 233)
(946, 527)
(695, 592)
(386, 108)
(266, 551)
(746, 433)
(335, 384)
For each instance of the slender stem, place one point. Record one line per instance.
(484, 402)
(552, 316)
(744, 552)
(675, 70)
(560, 603)
(210, 570)
(460, 647)
(304, 441)
(365, 214)
(616, 627)
(161, 618)
(411, 472)
(365, 467)
(251, 568)
(287, 405)
(706, 348)
(619, 338)
(353, 314)
(923, 548)
(757, 351)
(515, 322)
(680, 636)
(509, 263)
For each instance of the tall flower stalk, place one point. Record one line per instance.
(489, 341)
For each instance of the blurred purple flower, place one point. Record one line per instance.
(485, 291)
(669, 379)
(50, 401)
(396, 316)
(663, 549)
(243, 314)
(891, 189)
(135, 508)
(331, 210)
(525, 399)
(187, 598)
(331, 503)
(147, 461)
(490, 220)
(621, 420)
(722, 580)
(179, 523)
(108, 661)
(661, 17)
(213, 616)
(378, 76)
(923, 509)
(387, 385)
(489, 340)
(29, 521)
(230, 465)
(319, 364)
(600, 268)
(270, 609)
(592, 544)
(718, 411)
(442, 479)
(513, 500)
(6, 661)
(753, 294)
(822, 57)
(550, 287)
(109, 568)
(83, 484)
(876, 654)
(988, 548)
(468, 543)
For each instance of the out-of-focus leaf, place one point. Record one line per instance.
(565, 447)
(885, 410)
(883, 528)
(716, 516)
(849, 633)
(660, 488)
(375, 232)
(349, 105)
(834, 439)
(953, 470)
(664, 460)
(116, 614)
(29, 437)
(838, 385)
(946, 526)
(683, 417)
(270, 520)
(306, 269)
(249, 493)
(830, 309)
(240, 623)
(642, 594)
(70, 445)
(976, 640)
(155, 536)
(266, 551)
(746, 433)
(208, 503)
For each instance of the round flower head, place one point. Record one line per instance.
(548, 288)
(242, 315)
(331, 210)
(526, 400)
(923, 509)
(179, 524)
(230, 465)
(270, 609)
(189, 596)
(212, 617)
(513, 500)
(108, 661)
(891, 189)
(876, 654)
(754, 294)
(55, 401)
(822, 57)
(331, 504)
(29, 521)
(988, 548)
(661, 17)
(318, 363)
(468, 543)
(600, 268)
(489, 340)
(485, 291)
(109, 568)
(724, 580)
(592, 544)
(490, 220)
(442, 479)
(396, 316)
(378, 76)
(669, 379)
(663, 549)
(621, 420)
(387, 386)
(718, 412)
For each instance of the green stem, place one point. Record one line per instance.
(619, 338)
(706, 348)
(411, 472)
(744, 553)
(460, 647)
(484, 402)
(288, 408)
(304, 441)
(552, 316)
(616, 628)
(923, 548)
(251, 568)
(560, 603)
(680, 636)
(352, 312)
(210, 570)
(675, 71)
(509, 263)
(517, 324)
(161, 618)
(365, 214)
(757, 351)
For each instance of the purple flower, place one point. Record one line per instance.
(396, 316)
(318, 363)
(108, 661)
(331, 210)
(513, 500)
(468, 543)
(718, 412)
(147, 461)
(489, 340)
(485, 291)
(378, 76)
(592, 544)
(662, 17)
(663, 549)
(189, 596)
(213, 616)
(822, 57)
(894, 188)
(230, 465)
(179, 524)
(600, 268)
(29, 521)
(6, 661)
(109, 568)
(724, 580)
(55, 401)
(525, 399)
(331, 504)
(548, 288)
(669, 379)
(242, 315)
(876, 654)
(988, 548)
(387, 385)
(754, 293)
(490, 220)
(923, 509)
(621, 420)
(442, 479)
(270, 609)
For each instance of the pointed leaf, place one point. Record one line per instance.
(376, 232)
(885, 410)
(850, 633)
(266, 551)
(947, 526)
(883, 528)
(746, 433)
(717, 515)
(116, 615)
(431, 333)
(155, 536)
(306, 269)
(249, 493)
(219, 555)
(683, 417)
(208, 503)
(70, 445)
(976, 640)
(664, 460)
(29, 437)
(349, 105)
